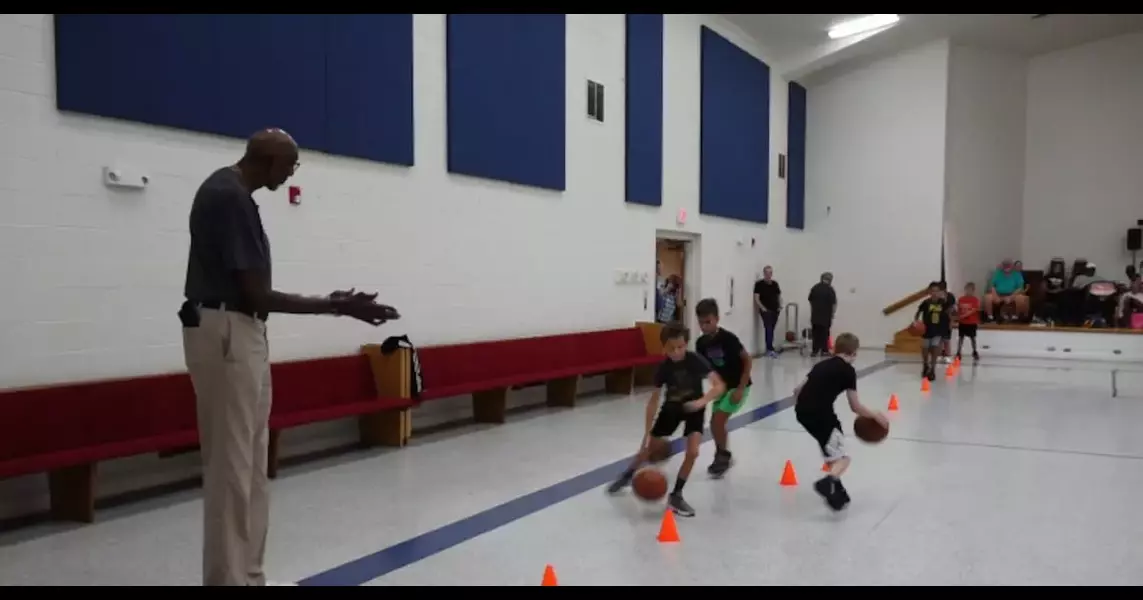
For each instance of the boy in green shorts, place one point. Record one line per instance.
(729, 358)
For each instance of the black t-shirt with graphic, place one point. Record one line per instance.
(723, 350)
(825, 382)
(683, 378)
(936, 315)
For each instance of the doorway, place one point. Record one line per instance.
(676, 276)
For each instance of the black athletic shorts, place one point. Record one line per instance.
(967, 331)
(671, 415)
(826, 430)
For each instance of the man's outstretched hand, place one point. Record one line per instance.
(363, 307)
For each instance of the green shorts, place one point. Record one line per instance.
(726, 403)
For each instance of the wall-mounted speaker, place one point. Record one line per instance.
(1135, 239)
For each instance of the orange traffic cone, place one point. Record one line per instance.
(950, 372)
(668, 531)
(789, 478)
(549, 577)
(893, 402)
(925, 385)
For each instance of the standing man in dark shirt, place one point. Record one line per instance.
(823, 307)
(228, 298)
(768, 301)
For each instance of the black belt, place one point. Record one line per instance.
(214, 305)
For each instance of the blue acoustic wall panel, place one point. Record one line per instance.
(188, 71)
(735, 139)
(369, 92)
(796, 159)
(506, 97)
(645, 109)
(316, 76)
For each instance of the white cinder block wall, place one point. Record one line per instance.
(875, 184)
(984, 163)
(1083, 182)
(93, 277)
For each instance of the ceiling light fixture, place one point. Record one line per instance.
(862, 25)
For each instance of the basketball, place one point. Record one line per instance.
(649, 484)
(791, 337)
(869, 430)
(917, 328)
(659, 450)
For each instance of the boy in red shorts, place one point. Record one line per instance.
(968, 313)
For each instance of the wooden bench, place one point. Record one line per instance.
(67, 430)
(488, 371)
(327, 389)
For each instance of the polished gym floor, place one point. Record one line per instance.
(1015, 472)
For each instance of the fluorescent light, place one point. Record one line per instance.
(862, 25)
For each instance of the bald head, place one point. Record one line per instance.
(270, 143)
(271, 158)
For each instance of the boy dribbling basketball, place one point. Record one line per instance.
(729, 358)
(679, 382)
(814, 399)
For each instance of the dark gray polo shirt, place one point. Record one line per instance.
(226, 236)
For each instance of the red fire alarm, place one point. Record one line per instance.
(295, 195)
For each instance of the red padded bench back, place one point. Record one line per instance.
(94, 420)
(321, 383)
(447, 366)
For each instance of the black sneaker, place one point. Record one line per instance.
(680, 506)
(975, 356)
(832, 492)
(824, 488)
(932, 374)
(620, 484)
(841, 495)
(722, 463)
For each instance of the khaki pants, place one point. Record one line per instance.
(229, 363)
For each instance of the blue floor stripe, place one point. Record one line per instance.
(382, 562)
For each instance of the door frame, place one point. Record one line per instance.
(692, 272)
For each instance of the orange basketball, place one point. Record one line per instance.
(649, 484)
(791, 337)
(869, 430)
(659, 450)
(917, 328)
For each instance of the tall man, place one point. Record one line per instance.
(228, 298)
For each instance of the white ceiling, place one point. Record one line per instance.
(798, 45)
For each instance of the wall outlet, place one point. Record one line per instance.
(125, 177)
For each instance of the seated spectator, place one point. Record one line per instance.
(1006, 291)
(1054, 282)
(1130, 309)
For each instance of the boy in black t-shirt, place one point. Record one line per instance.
(935, 313)
(725, 352)
(814, 399)
(678, 381)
